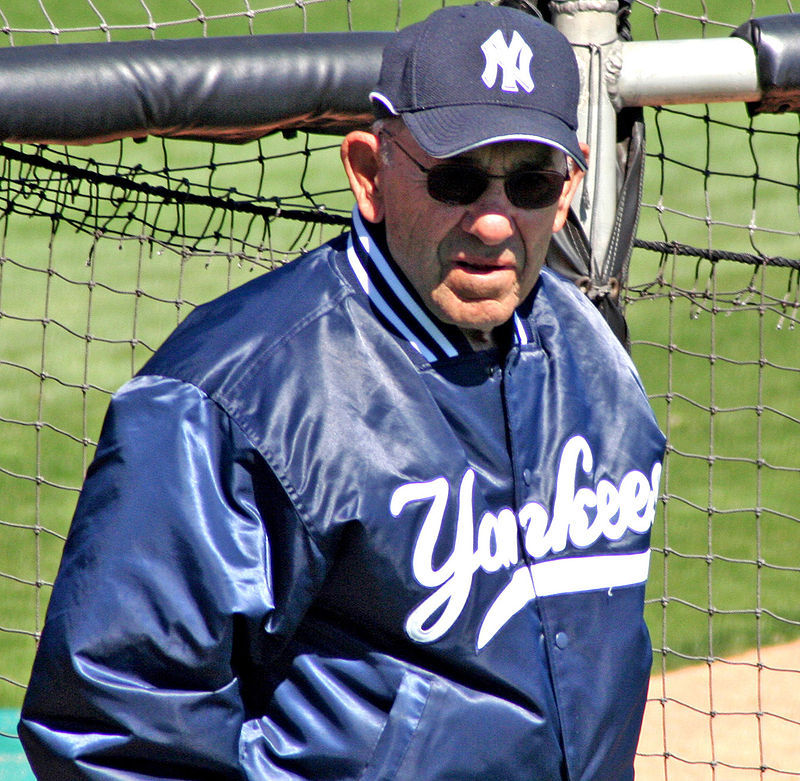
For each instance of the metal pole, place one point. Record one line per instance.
(591, 27)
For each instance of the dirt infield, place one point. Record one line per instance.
(735, 743)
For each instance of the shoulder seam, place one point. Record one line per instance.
(287, 486)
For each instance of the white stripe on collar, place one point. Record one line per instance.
(380, 304)
(387, 273)
(519, 330)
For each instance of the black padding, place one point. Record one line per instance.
(776, 40)
(234, 88)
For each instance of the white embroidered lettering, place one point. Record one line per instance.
(634, 496)
(581, 516)
(453, 580)
(608, 511)
(513, 58)
(497, 541)
(569, 505)
(533, 520)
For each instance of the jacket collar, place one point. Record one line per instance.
(396, 302)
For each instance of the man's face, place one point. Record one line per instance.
(474, 264)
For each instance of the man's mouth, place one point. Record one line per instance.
(482, 265)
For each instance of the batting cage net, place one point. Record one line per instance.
(105, 247)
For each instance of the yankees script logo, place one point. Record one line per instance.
(580, 516)
(514, 59)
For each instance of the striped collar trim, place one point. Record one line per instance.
(398, 304)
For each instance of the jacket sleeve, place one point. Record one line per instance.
(184, 572)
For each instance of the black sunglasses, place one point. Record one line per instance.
(461, 183)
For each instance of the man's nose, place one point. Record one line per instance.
(490, 217)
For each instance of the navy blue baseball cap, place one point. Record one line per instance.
(472, 75)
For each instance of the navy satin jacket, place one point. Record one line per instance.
(323, 539)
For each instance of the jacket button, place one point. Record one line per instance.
(527, 476)
(562, 640)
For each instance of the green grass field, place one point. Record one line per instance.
(729, 576)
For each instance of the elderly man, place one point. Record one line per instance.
(384, 512)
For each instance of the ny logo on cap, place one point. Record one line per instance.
(514, 59)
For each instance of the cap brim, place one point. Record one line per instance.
(452, 130)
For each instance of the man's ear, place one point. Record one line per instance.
(568, 193)
(361, 159)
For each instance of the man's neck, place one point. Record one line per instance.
(480, 340)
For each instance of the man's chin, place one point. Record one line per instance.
(477, 316)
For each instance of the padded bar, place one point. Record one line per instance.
(777, 44)
(228, 89)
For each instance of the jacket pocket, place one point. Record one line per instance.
(398, 732)
(438, 730)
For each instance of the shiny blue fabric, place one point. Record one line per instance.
(255, 585)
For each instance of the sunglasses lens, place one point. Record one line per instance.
(456, 184)
(534, 189)
(460, 185)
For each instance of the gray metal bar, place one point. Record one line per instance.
(659, 73)
(591, 27)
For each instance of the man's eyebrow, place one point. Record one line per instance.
(540, 163)
(544, 158)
